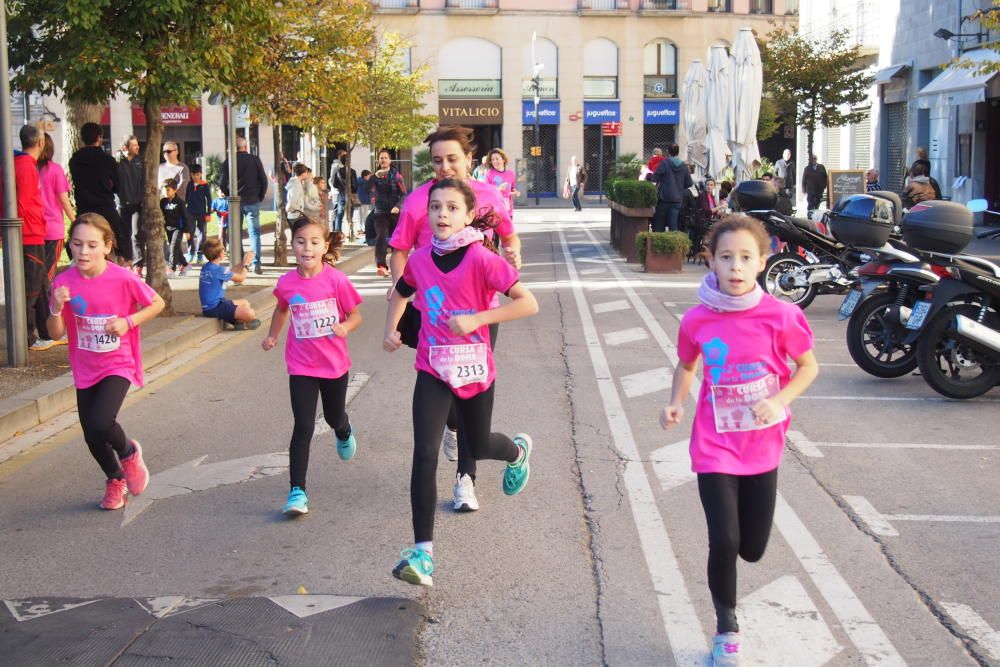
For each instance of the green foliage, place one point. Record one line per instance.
(213, 168)
(766, 166)
(664, 243)
(634, 194)
(769, 121)
(423, 171)
(627, 167)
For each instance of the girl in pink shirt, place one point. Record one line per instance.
(453, 282)
(100, 306)
(504, 179)
(744, 337)
(322, 305)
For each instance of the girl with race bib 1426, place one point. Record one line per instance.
(453, 282)
(322, 305)
(100, 306)
(744, 338)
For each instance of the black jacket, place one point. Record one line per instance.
(130, 179)
(198, 200)
(340, 179)
(387, 193)
(175, 215)
(672, 177)
(250, 178)
(95, 180)
(814, 180)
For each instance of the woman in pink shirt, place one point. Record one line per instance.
(55, 203)
(100, 307)
(503, 178)
(322, 305)
(744, 337)
(454, 282)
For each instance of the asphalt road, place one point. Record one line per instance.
(883, 550)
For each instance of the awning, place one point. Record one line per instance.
(889, 73)
(958, 85)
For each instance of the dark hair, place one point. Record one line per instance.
(30, 135)
(918, 169)
(384, 150)
(483, 219)
(48, 150)
(673, 149)
(212, 248)
(734, 223)
(97, 221)
(195, 169)
(170, 183)
(725, 188)
(334, 240)
(463, 135)
(90, 132)
(766, 174)
(365, 172)
(299, 169)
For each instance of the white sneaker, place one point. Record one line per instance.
(449, 443)
(465, 494)
(727, 649)
(41, 344)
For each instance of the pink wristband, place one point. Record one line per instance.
(131, 324)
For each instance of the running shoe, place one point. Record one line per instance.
(61, 341)
(41, 344)
(415, 568)
(381, 272)
(726, 649)
(136, 472)
(247, 326)
(515, 475)
(257, 269)
(297, 504)
(347, 448)
(449, 444)
(184, 270)
(465, 494)
(115, 494)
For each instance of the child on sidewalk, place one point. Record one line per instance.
(323, 306)
(220, 206)
(177, 225)
(745, 337)
(100, 306)
(212, 287)
(454, 279)
(199, 209)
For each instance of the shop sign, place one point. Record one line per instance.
(171, 115)
(661, 112)
(600, 87)
(469, 88)
(548, 112)
(470, 112)
(546, 87)
(595, 113)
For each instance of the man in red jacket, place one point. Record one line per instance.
(29, 209)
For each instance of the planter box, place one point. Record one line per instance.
(626, 224)
(672, 263)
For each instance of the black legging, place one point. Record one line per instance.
(304, 391)
(384, 224)
(432, 399)
(466, 462)
(739, 511)
(98, 406)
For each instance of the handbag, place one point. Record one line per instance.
(566, 189)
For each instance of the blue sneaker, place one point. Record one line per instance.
(515, 475)
(415, 568)
(346, 448)
(298, 503)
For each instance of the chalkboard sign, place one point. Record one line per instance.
(844, 183)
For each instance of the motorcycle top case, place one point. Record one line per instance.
(938, 226)
(754, 196)
(862, 220)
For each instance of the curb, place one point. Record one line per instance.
(51, 398)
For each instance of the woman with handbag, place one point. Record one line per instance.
(387, 192)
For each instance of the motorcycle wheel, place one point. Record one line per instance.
(947, 364)
(874, 338)
(777, 266)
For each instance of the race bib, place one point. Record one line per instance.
(459, 365)
(90, 334)
(732, 403)
(314, 319)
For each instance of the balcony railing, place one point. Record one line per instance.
(665, 4)
(720, 5)
(761, 7)
(603, 4)
(471, 4)
(396, 4)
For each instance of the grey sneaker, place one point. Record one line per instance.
(726, 649)
(465, 494)
(449, 444)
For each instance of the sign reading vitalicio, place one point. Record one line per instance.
(470, 112)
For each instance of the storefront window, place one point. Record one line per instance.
(600, 69)
(660, 69)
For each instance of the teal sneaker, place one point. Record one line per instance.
(415, 568)
(515, 475)
(346, 448)
(298, 503)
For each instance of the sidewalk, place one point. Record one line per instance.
(43, 389)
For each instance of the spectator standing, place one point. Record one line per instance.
(918, 187)
(386, 192)
(95, 184)
(56, 204)
(251, 182)
(575, 178)
(131, 177)
(335, 167)
(672, 177)
(814, 181)
(871, 181)
(177, 224)
(173, 168)
(365, 196)
(479, 173)
(784, 169)
(199, 208)
(345, 188)
(655, 160)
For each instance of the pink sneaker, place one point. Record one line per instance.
(115, 494)
(136, 472)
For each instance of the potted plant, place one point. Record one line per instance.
(632, 205)
(662, 252)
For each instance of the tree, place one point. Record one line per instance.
(814, 79)
(155, 51)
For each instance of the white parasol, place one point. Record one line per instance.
(717, 96)
(744, 105)
(695, 126)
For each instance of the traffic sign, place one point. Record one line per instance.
(536, 151)
(611, 129)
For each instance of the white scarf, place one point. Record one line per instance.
(712, 297)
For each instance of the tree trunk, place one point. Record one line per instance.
(151, 218)
(78, 113)
(281, 224)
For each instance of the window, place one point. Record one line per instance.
(600, 69)
(720, 5)
(761, 7)
(660, 69)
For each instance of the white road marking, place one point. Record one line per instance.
(625, 336)
(594, 271)
(975, 627)
(880, 523)
(917, 399)
(809, 448)
(684, 631)
(26, 610)
(866, 512)
(354, 386)
(646, 382)
(672, 465)
(161, 607)
(611, 306)
(308, 605)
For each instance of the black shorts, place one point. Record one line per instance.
(225, 310)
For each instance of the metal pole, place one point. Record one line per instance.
(10, 224)
(538, 158)
(600, 170)
(235, 220)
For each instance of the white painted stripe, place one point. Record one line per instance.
(625, 336)
(838, 365)
(801, 443)
(354, 386)
(861, 628)
(611, 306)
(647, 382)
(905, 445)
(877, 522)
(975, 627)
(594, 271)
(684, 631)
(918, 399)
(944, 518)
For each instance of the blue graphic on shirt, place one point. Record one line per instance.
(79, 305)
(435, 303)
(715, 352)
(298, 298)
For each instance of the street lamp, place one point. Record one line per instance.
(945, 34)
(235, 222)
(535, 87)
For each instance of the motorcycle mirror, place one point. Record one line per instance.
(977, 205)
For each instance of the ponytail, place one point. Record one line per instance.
(334, 240)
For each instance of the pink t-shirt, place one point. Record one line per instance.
(745, 356)
(316, 304)
(93, 354)
(506, 182)
(54, 183)
(463, 362)
(413, 231)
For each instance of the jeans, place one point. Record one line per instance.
(576, 198)
(251, 214)
(666, 215)
(338, 218)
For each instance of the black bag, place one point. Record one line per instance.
(370, 228)
(409, 326)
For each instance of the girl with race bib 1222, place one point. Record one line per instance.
(744, 338)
